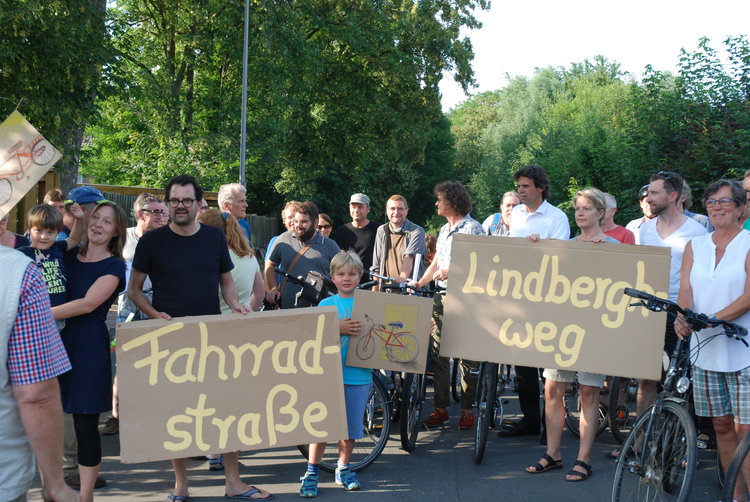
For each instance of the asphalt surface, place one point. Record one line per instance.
(440, 469)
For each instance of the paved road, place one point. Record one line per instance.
(441, 469)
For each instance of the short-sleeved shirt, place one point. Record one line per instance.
(52, 267)
(445, 240)
(317, 258)
(493, 225)
(359, 240)
(35, 350)
(547, 221)
(185, 271)
(352, 375)
(391, 247)
(622, 234)
(676, 242)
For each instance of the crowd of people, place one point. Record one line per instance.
(79, 257)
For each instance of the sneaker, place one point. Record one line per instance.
(309, 486)
(110, 427)
(348, 479)
(74, 481)
(467, 420)
(216, 464)
(437, 417)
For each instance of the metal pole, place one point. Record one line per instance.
(243, 128)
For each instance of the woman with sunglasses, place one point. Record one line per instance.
(96, 274)
(715, 279)
(325, 225)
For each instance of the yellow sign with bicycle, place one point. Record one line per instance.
(25, 156)
(396, 333)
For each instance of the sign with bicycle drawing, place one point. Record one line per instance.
(396, 333)
(555, 304)
(25, 156)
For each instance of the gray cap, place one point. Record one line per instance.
(359, 198)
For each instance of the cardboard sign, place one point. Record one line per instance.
(555, 304)
(396, 333)
(212, 384)
(25, 156)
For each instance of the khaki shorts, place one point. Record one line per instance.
(565, 376)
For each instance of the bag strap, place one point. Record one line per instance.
(495, 223)
(299, 255)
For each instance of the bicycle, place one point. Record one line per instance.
(739, 469)
(400, 346)
(623, 393)
(573, 411)
(377, 427)
(659, 456)
(492, 380)
(39, 151)
(414, 385)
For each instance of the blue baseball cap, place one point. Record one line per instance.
(85, 194)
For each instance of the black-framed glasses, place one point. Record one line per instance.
(184, 202)
(724, 201)
(155, 212)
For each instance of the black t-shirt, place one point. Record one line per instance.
(184, 270)
(359, 240)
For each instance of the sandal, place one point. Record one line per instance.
(216, 464)
(538, 468)
(578, 475)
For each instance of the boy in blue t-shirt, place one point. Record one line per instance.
(346, 271)
(45, 222)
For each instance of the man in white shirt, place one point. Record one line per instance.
(535, 219)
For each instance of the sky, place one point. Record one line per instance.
(519, 36)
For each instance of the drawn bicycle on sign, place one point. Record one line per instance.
(400, 346)
(39, 151)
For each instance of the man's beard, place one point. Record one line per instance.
(306, 236)
(657, 210)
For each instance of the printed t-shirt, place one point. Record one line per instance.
(52, 267)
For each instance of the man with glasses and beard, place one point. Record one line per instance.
(298, 251)
(668, 227)
(187, 286)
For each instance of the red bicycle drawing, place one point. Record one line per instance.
(400, 346)
(39, 151)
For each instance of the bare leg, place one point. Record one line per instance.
(180, 476)
(554, 415)
(346, 446)
(115, 399)
(234, 484)
(316, 453)
(88, 478)
(589, 396)
(728, 437)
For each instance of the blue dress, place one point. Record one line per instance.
(87, 388)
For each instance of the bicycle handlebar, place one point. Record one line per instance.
(696, 320)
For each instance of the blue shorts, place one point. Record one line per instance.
(355, 399)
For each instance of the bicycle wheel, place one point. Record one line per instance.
(376, 427)
(738, 472)
(456, 390)
(486, 402)
(573, 412)
(6, 191)
(365, 347)
(395, 393)
(658, 459)
(720, 474)
(405, 352)
(413, 400)
(622, 406)
(42, 153)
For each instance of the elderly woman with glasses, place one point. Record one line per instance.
(715, 280)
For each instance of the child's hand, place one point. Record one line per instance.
(349, 326)
(76, 211)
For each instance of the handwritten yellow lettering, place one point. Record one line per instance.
(314, 413)
(205, 351)
(287, 409)
(581, 286)
(514, 275)
(257, 351)
(200, 412)
(288, 367)
(532, 286)
(601, 288)
(315, 346)
(557, 280)
(156, 355)
(545, 331)
(515, 338)
(188, 353)
(254, 437)
(570, 349)
(469, 288)
(172, 430)
(223, 426)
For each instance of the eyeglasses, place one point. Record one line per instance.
(184, 202)
(155, 212)
(724, 201)
(323, 227)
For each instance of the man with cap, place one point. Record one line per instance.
(359, 235)
(635, 225)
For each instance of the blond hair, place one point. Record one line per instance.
(236, 239)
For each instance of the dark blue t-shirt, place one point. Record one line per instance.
(184, 270)
(52, 267)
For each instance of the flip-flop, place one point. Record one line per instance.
(177, 498)
(248, 495)
(538, 468)
(578, 475)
